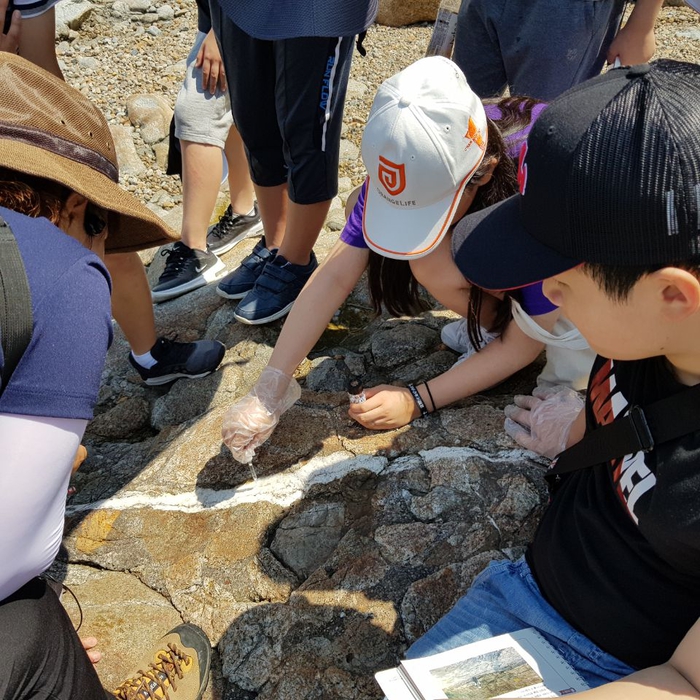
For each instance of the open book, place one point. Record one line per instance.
(518, 665)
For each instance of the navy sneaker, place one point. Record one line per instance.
(232, 228)
(186, 269)
(239, 282)
(275, 291)
(175, 360)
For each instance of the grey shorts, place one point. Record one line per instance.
(201, 117)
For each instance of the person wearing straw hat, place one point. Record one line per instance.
(62, 208)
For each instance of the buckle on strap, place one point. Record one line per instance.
(641, 429)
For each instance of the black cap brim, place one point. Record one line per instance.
(492, 249)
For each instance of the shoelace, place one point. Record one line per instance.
(177, 259)
(170, 665)
(226, 222)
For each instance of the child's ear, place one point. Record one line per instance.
(680, 292)
(488, 173)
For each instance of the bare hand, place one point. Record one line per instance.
(80, 457)
(632, 46)
(386, 407)
(10, 42)
(89, 644)
(209, 60)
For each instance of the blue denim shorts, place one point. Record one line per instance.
(505, 598)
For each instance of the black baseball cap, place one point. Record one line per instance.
(610, 174)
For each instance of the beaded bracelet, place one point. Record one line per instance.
(419, 401)
(430, 396)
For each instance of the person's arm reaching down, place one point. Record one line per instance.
(390, 407)
(635, 42)
(252, 419)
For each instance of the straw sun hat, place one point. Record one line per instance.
(50, 130)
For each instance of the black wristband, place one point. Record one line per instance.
(419, 401)
(430, 396)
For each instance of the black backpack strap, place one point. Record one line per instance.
(16, 322)
(640, 430)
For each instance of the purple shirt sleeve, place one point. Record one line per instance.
(534, 302)
(352, 233)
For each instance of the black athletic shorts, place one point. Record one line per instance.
(287, 100)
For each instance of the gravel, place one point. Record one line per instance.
(137, 46)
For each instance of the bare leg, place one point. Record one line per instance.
(37, 41)
(131, 300)
(272, 202)
(239, 183)
(304, 223)
(201, 176)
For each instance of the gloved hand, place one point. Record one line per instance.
(542, 422)
(252, 419)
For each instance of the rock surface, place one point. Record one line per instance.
(398, 13)
(349, 544)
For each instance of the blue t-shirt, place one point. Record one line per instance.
(290, 19)
(59, 373)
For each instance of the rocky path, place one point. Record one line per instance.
(349, 544)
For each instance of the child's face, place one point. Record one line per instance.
(623, 330)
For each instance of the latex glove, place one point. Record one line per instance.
(251, 421)
(542, 422)
(386, 407)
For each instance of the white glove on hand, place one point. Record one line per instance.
(252, 419)
(542, 422)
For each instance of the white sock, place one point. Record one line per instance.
(146, 360)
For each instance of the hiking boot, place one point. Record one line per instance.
(175, 360)
(275, 291)
(177, 669)
(232, 228)
(186, 269)
(239, 282)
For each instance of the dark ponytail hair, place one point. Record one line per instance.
(391, 282)
(516, 114)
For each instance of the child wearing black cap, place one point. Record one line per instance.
(609, 216)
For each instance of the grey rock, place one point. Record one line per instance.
(120, 8)
(122, 421)
(165, 12)
(138, 5)
(153, 31)
(89, 62)
(151, 114)
(127, 157)
(72, 14)
(304, 541)
(401, 343)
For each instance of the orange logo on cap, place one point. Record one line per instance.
(392, 176)
(473, 134)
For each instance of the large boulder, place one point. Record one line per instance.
(397, 13)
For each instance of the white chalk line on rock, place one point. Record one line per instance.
(286, 488)
(283, 489)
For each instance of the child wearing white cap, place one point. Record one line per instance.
(432, 155)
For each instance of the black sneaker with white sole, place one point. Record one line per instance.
(186, 269)
(233, 228)
(175, 360)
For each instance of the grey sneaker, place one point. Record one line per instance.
(186, 269)
(176, 669)
(233, 228)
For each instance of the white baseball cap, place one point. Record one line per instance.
(424, 139)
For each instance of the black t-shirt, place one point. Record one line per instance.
(618, 550)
